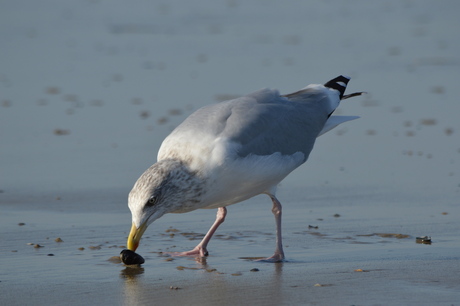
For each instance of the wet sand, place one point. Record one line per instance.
(88, 90)
(345, 261)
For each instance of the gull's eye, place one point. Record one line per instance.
(152, 200)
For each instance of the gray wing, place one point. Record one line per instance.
(263, 123)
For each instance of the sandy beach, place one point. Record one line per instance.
(364, 252)
(89, 89)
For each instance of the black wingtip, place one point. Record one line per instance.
(339, 83)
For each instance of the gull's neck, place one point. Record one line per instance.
(185, 186)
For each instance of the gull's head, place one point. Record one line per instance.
(166, 187)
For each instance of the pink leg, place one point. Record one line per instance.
(200, 249)
(277, 211)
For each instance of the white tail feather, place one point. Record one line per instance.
(334, 121)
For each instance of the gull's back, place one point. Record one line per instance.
(261, 123)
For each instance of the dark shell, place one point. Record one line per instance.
(129, 257)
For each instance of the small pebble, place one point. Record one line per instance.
(61, 132)
(254, 270)
(129, 257)
(174, 288)
(50, 255)
(21, 224)
(38, 246)
(423, 240)
(58, 239)
(81, 249)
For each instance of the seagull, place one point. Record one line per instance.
(231, 151)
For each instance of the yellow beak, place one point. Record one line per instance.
(135, 236)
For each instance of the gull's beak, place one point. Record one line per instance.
(135, 236)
